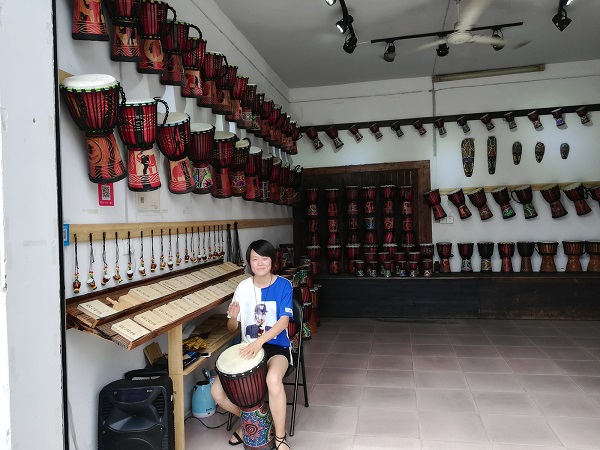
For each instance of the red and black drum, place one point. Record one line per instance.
(181, 176)
(426, 250)
(93, 102)
(444, 250)
(245, 383)
(202, 137)
(224, 86)
(212, 70)
(265, 170)
(577, 194)
(152, 28)
(486, 250)
(193, 59)
(88, 21)
(524, 196)
(593, 249)
(274, 180)
(573, 250)
(251, 173)
(503, 199)
(124, 18)
(174, 135)
(525, 250)
(405, 193)
(465, 250)
(369, 193)
(547, 249)
(257, 108)
(248, 100)
(273, 120)
(457, 197)
(237, 93)
(175, 43)
(284, 177)
(138, 129)
(265, 113)
(221, 158)
(477, 197)
(551, 194)
(506, 251)
(433, 200)
(237, 176)
(593, 192)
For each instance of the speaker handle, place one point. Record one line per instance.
(146, 373)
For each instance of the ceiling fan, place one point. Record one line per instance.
(463, 31)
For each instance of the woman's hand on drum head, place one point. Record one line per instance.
(233, 310)
(250, 350)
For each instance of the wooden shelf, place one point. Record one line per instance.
(222, 342)
(534, 187)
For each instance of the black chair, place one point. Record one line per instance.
(298, 359)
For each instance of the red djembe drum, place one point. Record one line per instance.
(237, 93)
(289, 186)
(193, 60)
(333, 254)
(503, 199)
(202, 137)
(264, 175)
(174, 44)
(465, 250)
(396, 127)
(245, 383)
(506, 251)
(296, 182)
(281, 131)
(551, 194)
(174, 142)
(457, 198)
(413, 259)
(251, 173)
(376, 132)
(432, 198)
(400, 264)
(594, 192)
(387, 192)
(444, 250)
(248, 100)
(313, 135)
(524, 196)
(212, 70)
(221, 158)
(296, 136)
(573, 250)
(486, 250)
(426, 250)
(237, 175)
(284, 176)
(257, 111)
(224, 85)
(477, 197)
(273, 120)
(547, 250)
(88, 21)
(593, 249)
(314, 253)
(368, 194)
(274, 180)
(92, 101)
(265, 113)
(332, 132)
(352, 193)
(124, 16)
(152, 28)
(138, 129)
(357, 135)
(525, 250)
(576, 193)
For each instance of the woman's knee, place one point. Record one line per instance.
(274, 382)
(217, 392)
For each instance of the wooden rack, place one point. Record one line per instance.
(534, 187)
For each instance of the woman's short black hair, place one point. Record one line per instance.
(262, 248)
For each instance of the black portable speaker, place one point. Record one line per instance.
(136, 413)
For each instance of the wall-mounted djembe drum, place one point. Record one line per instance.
(247, 103)
(264, 175)
(174, 142)
(251, 174)
(577, 194)
(525, 250)
(506, 251)
(138, 129)
(573, 250)
(390, 242)
(313, 246)
(486, 250)
(221, 159)
(426, 249)
(405, 193)
(290, 192)
(224, 85)
(212, 70)
(444, 250)
(93, 103)
(267, 108)
(270, 136)
(152, 28)
(370, 244)
(296, 136)
(333, 240)
(413, 261)
(257, 107)
(551, 194)
(237, 93)
(237, 175)
(594, 192)
(457, 198)
(274, 180)
(433, 200)
(284, 177)
(286, 135)
(524, 196)
(479, 200)
(124, 17)
(547, 250)
(174, 44)
(502, 197)
(465, 250)
(593, 249)
(88, 21)
(193, 59)
(202, 137)
(353, 242)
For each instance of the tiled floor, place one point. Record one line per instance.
(445, 385)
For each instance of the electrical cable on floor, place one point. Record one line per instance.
(208, 426)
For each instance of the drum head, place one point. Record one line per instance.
(200, 127)
(455, 191)
(548, 187)
(230, 362)
(276, 161)
(140, 101)
(242, 144)
(571, 186)
(224, 136)
(500, 189)
(174, 118)
(269, 156)
(520, 188)
(255, 150)
(89, 81)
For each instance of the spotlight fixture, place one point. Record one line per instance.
(350, 44)
(344, 23)
(330, 2)
(390, 52)
(442, 50)
(560, 20)
(497, 34)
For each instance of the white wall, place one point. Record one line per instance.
(93, 362)
(559, 85)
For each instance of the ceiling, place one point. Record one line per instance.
(299, 39)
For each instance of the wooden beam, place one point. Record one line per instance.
(510, 187)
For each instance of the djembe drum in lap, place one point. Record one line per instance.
(525, 250)
(93, 102)
(547, 250)
(174, 142)
(237, 176)
(245, 384)
(486, 250)
(152, 28)
(251, 173)
(138, 130)
(124, 18)
(506, 251)
(573, 250)
(593, 249)
(221, 158)
(201, 143)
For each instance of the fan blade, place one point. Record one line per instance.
(471, 14)
(430, 44)
(478, 39)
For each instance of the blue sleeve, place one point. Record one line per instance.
(285, 303)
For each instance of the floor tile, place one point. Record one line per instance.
(354, 337)
(433, 350)
(315, 359)
(464, 329)
(335, 395)
(591, 368)
(521, 352)
(525, 430)
(436, 364)
(317, 347)
(346, 361)
(457, 427)
(322, 441)
(391, 349)
(355, 348)
(580, 332)
(587, 342)
(446, 445)
(502, 331)
(389, 398)
(570, 404)
(505, 403)
(553, 341)
(445, 400)
(383, 327)
(324, 335)
(390, 363)
(327, 419)
(540, 331)
(427, 329)
(480, 351)
(429, 339)
(379, 422)
(493, 382)
(589, 385)
(533, 366)
(384, 443)
(484, 365)
(511, 340)
(525, 447)
(346, 376)
(469, 340)
(573, 354)
(580, 433)
(357, 328)
(390, 378)
(440, 380)
(548, 383)
(391, 338)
